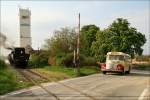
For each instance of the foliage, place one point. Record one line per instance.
(84, 61)
(88, 35)
(141, 66)
(7, 81)
(102, 45)
(89, 61)
(11, 80)
(129, 39)
(143, 58)
(2, 64)
(63, 41)
(39, 59)
(52, 60)
(68, 60)
(120, 36)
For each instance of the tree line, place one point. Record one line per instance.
(94, 43)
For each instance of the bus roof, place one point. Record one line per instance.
(117, 53)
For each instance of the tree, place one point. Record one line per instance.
(63, 42)
(102, 45)
(129, 40)
(88, 35)
(119, 36)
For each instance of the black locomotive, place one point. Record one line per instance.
(18, 57)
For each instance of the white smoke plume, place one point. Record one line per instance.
(2, 39)
(4, 43)
(5, 47)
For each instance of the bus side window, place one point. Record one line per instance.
(126, 58)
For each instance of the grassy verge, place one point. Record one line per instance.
(141, 67)
(9, 81)
(51, 75)
(72, 72)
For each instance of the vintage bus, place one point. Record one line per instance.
(117, 62)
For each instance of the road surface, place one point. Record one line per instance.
(134, 86)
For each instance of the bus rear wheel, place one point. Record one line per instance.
(104, 72)
(128, 72)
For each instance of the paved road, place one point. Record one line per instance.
(134, 86)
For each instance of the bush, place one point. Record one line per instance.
(2, 64)
(143, 58)
(34, 60)
(38, 60)
(59, 58)
(101, 58)
(84, 61)
(141, 66)
(67, 60)
(52, 60)
(89, 61)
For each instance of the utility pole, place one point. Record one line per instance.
(74, 58)
(78, 46)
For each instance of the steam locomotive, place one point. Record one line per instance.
(18, 57)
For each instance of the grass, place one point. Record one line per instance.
(141, 66)
(9, 81)
(52, 76)
(62, 69)
(72, 72)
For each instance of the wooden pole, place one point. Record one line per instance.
(78, 46)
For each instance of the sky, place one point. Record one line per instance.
(48, 16)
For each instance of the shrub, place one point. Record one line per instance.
(52, 60)
(2, 64)
(143, 58)
(38, 59)
(89, 61)
(84, 61)
(67, 60)
(59, 58)
(101, 58)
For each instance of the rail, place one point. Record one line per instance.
(44, 77)
(25, 75)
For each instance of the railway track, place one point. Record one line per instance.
(46, 78)
(27, 73)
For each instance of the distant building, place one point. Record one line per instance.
(25, 27)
